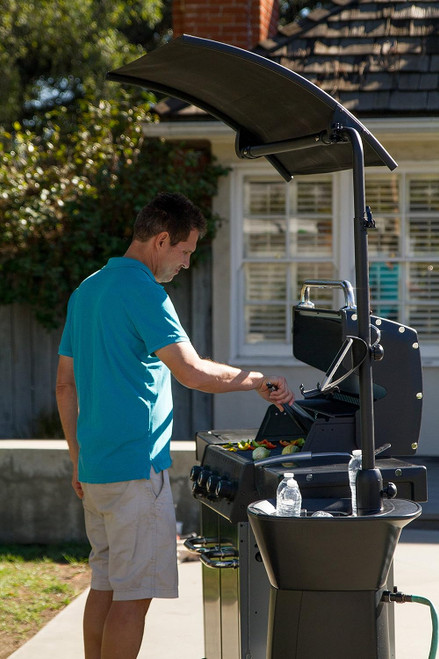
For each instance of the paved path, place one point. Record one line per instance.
(174, 628)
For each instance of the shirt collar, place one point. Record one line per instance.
(125, 262)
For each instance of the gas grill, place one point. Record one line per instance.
(326, 420)
(303, 587)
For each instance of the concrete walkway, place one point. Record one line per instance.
(174, 627)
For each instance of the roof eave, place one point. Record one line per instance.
(213, 130)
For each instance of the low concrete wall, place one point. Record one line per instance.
(38, 504)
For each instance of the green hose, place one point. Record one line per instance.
(400, 598)
(434, 622)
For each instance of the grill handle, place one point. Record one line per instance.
(346, 286)
(217, 557)
(198, 544)
(300, 457)
(308, 455)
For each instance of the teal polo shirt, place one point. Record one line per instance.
(116, 320)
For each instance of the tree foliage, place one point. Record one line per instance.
(74, 165)
(55, 51)
(68, 199)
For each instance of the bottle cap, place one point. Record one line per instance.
(357, 451)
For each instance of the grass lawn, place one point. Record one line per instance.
(36, 582)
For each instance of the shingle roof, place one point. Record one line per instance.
(376, 58)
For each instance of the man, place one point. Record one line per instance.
(121, 340)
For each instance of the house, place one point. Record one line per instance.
(381, 61)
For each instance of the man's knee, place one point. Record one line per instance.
(129, 608)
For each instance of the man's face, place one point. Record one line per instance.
(174, 257)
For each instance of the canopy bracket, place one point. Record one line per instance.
(324, 138)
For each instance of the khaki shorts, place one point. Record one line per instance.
(132, 531)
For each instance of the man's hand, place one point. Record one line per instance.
(279, 393)
(67, 400)
(76, 484)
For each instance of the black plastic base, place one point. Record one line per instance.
(333, 625)
(327, 577)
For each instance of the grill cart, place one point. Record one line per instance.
(304, 587)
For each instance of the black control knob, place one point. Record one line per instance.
(203, 477)
(197, 491)
(225, 490)
(377, 352)
(212, 483)
(195, 472)
(390, 491)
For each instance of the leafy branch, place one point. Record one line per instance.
(68, 197)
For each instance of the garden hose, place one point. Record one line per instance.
(434, 623)
(400, 598)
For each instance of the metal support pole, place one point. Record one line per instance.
(369, 481)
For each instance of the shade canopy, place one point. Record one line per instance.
(275, 112)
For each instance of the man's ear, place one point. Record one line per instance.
(162, 238)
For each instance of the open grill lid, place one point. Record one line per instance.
(270, 107)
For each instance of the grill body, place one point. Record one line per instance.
(243, 613)
(305, 588)
(235, 600)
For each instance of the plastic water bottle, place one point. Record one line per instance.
(353, 469)
(321, 513)
(288, 497)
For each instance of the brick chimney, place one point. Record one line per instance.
(242, 23)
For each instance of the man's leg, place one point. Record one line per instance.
(95, 613)
(123, 629)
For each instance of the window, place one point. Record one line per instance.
(287, 238)
(404, 250)
(288, 233)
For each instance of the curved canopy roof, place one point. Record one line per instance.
(275, 112)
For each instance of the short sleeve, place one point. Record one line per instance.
(65, 346)
(156, 320)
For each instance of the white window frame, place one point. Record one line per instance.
(430, 349)
(266, 352)
(343, 255)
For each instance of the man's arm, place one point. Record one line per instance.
(196, 373)
(67, 400)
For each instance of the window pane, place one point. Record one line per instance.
(385, 239)
(264, 237)
(386, 310)
(265, 198)
(265, 281)
(424, 281)
(314, 197)
(424, 195)
(424, 319)
(265, 323)
(283, 223)
(311, 237)
(382, 195)
(424, 236)
(303, 271)
(384, 289)
(310, 231)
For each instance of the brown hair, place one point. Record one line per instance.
(171, 212)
